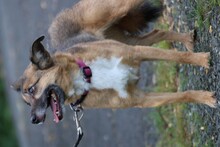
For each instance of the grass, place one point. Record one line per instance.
(202, 10)
(195, 128)
(7, 131)
(169, 119)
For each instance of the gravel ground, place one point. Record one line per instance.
(207, 40)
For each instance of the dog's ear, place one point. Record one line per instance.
(40, 56)
(17, 84)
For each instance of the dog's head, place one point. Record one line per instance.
(41, 84)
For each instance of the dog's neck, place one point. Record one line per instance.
(80, 85)
(75, 84)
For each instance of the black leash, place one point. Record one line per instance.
(80, 100)
(78, 114)
(87, 73)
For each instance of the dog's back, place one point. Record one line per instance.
(91, 20)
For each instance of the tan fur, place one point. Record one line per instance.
(98, 18)
(131, 56)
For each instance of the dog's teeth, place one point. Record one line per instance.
(57, 113)
(53, 96)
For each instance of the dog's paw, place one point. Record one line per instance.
(203, 59)
(210, 99)
(190, 39)
(204, 97)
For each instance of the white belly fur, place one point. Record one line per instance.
(111, 74)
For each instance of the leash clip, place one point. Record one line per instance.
(78, 109)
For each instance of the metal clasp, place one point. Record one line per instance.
(77, 117)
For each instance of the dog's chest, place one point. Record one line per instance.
(112, 74)
(106, 74)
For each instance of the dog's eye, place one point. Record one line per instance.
(27, 103)
(31, 90)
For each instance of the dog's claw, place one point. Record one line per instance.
(212, 100)
(194, 34)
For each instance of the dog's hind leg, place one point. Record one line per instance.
(153, 37)
(158, 35)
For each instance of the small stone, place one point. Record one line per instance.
(210, 29)
(202, 128)
(213, 137)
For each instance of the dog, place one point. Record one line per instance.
(98, 49)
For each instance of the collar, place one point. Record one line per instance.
(86, 70)
(87, 73)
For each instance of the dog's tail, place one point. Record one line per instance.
(137, 19)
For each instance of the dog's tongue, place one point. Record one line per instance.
(54, 103)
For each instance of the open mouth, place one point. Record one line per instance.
(55, 99)
(52, 96)
(55, 106)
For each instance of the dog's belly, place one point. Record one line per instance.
(112, 74)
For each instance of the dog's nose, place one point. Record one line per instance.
(37, 119)
(34, 119)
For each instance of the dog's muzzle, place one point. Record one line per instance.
(52, 96)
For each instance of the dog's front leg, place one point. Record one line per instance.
(158, 99)
(109, 48)
(151, 53)
(141, 99)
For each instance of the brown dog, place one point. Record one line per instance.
(95, 56)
